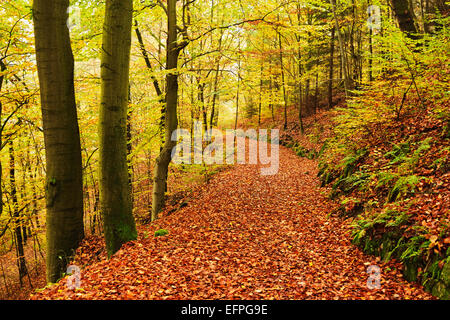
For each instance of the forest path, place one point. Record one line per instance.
(245, 236)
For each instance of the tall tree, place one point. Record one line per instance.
(405, 17)
(171, 120)
(2, 77)
(283, 84)
(156, 84)
(236, 117)
(344, 62)
(64, 196)
(115, 191)
(21, 262)
(331, 69)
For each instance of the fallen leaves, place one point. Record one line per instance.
(243, 236)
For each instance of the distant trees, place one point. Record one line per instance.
(64, 185)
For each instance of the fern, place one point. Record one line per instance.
(398, 153)
(385, 178)
(414, 248)
(403, 185)
(350, 161)
(424, 146)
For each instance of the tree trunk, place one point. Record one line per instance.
(405, 17)
(271, 93)
(238, 86)
(307, 96)
(344, 63)
(130, 145)
(156, 85)
(331, 69)
(164, 158)
(354, 56)
(370, 51)
(282, 79)
(201, 98)
(18, 221)
(261, 83)
(300, 71)
(214, 112)
(64, 185)
(316, 93)
(300, 96)
(115, 193)
(2, 77)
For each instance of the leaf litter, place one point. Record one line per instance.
(241, 236)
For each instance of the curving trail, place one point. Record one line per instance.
(245, 236)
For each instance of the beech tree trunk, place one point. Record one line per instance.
(370, 51)
(18, 221)
(405, 17)
(283, 80)
(331, 69)
(201, 98)
(171, 120)
(2, 77)
(238, 86)
(115, 191)
(214, 111)
(64, 185)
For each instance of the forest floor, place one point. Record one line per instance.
(242, 236)
(10, 286)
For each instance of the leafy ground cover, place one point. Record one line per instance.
(241, 236)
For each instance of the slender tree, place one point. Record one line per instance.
(2, 77)
(18, 221)
(64, 195)
(115, 191)
(155, 81)
(238, 90)
(331, 69)
(283, 84)
(171, 119)
(344, 62)
(300, 69)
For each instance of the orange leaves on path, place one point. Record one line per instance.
(244, 236)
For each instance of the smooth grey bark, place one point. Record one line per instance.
(64, 184)
(115, 191)
(171, 119)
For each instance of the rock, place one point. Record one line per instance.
(445, 274)
(441, 291)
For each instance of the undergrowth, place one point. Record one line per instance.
(388, 165)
